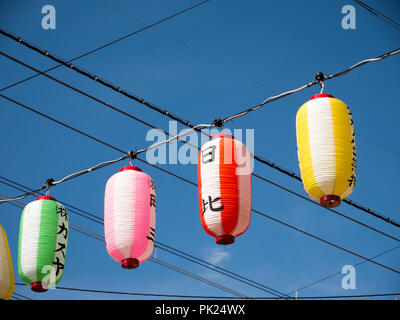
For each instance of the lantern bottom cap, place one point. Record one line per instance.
(38, 287)
(130, 263)
(330, 201)
(225, 239)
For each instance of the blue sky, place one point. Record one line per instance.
(211, 62)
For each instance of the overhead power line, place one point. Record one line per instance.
(217, 121)
(340, 272)
(101, 238)
(325, 241)
(221, 64)
(111, 43)
(171, 250)
(277, 220)
(216, 297)
(310, 84)
(152, 147)
(154, 127)
(380, 15)
(131, 154)
(160, 262)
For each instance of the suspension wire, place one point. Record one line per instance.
(219, 63)
(348, 251)
(217, 121)
(310, 84)
(172, 138)
(176, 252)
(100, 165)
(167, 141)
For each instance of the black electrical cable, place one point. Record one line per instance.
(339, 272)
(336, 212)
(177, 253)
(154, 127)
(75, 210)
(219, 122)
(216, 297)
(218, 269)
(380, 15)
(325, 241)
(315, 237)
(109, 43)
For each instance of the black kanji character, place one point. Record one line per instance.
(59, 265)
(61, 248)
(210, 202)
(152, 200)
(208, 154)
(62, 230)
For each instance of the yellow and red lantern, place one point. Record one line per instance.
(224, 179)
(6, 269)
(326, 149)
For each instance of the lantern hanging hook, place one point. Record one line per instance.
(322, 87)
(132, 155)
(49, 183)
(319, 76)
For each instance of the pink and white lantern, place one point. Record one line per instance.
(130, 216)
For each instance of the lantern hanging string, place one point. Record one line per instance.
(130, 154)
(147, 104)
(129, 95)
(312, 83)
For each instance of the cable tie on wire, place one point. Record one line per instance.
(50, 182)
(132, 155)
(319, 76)
(217, 122)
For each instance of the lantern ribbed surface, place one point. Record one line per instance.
(43, 239)
(326, 149)
(224, 179)
(130, 216)
(7, 282)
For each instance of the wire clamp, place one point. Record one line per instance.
(319, 76)
(217, 122)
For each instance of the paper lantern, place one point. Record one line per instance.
(326, 149)
(224, 179)
(6, 269)
(130, 216)
(43, 239)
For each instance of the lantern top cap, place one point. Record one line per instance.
(321, 95)
(222, 135)
(45, 198)
(130, 168)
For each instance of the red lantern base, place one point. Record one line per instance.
(130, 263)
(37, 287)
(330, 201)
(225, 239)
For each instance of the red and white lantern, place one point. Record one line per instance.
(224, 179)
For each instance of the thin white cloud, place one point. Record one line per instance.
(217, 255)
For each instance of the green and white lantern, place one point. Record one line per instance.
(42, 248)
